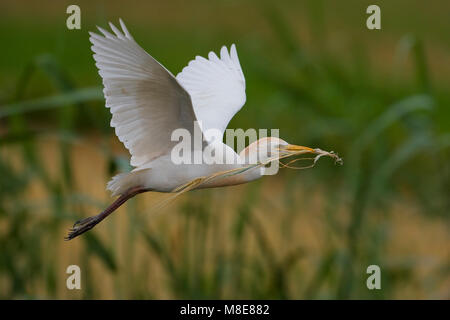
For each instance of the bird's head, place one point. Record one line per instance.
(268, 149)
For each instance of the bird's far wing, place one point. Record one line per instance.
(216, 86)
(146, 101)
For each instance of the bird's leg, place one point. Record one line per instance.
(83, 225)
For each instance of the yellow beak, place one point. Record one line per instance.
(293, 147)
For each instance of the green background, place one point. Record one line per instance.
(380, 98)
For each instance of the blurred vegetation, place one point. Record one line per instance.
(375, 97)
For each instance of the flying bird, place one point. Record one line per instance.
(148, 103)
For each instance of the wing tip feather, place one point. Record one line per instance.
(125, 29)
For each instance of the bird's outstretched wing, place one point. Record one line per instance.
(216, 86)
(146, 101)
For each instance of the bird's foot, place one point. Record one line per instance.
(81, 226)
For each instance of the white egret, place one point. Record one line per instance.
(148, 103)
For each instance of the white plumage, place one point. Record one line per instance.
(148, 103)
(216, 86)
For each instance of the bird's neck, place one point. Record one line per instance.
(237, 162)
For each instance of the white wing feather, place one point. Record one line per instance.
(216, 87)
(146, 101)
